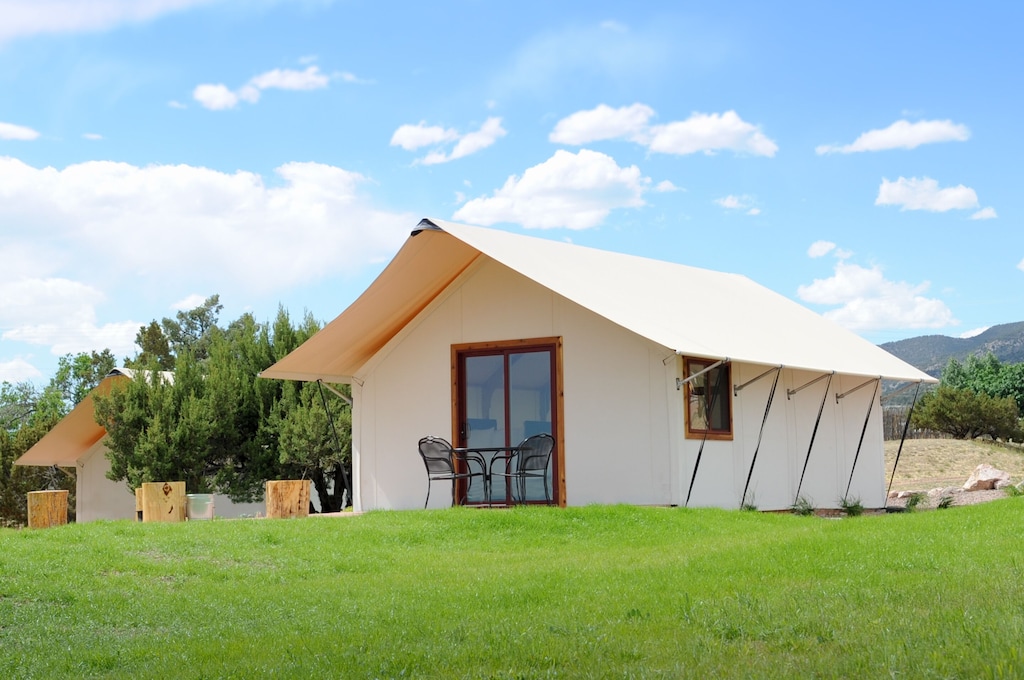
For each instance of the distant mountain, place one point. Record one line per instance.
(931, 353)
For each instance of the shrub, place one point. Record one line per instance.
(851, 506)
(803, 507)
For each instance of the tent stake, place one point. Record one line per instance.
(871, 406)
(771, 396)
(814, 434)
(903, 438)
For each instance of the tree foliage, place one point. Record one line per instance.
(966, 414)
(981, 396)
(215, 424)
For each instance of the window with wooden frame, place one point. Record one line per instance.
(708, 399)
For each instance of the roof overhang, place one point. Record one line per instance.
(74, 435)
(692, 311)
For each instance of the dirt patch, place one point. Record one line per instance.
(937, 463)
(941, 466)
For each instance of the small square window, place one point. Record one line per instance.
(708, 400)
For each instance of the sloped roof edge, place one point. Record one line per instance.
(668, 303)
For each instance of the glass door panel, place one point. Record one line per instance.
(483, 395)
(529, 398)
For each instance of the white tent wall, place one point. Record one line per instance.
(97, 497)
(615, 415)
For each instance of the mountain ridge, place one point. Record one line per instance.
(931, 353)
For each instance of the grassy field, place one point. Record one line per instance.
(597, 592)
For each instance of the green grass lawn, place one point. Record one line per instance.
(540, 592)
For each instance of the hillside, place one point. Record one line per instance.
(930, 353)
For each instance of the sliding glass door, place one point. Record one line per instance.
(504, 394)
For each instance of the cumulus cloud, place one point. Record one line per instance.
(61, 314)
(18, 370)
(603, 122)
(985, 214)
(183, 220)
(711, 132)
(17, 132)
(574, 191)
(973, 332)
(867, 301)
(218, 97)
(148, 226)
(902, 135)
(92, 136)
(820, 248)
(22, 18)
(413, 137)
(925, 194)
(189, 302)
(700, 133)
(743, 203)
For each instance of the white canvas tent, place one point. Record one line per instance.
(77, 442)
(623, 330)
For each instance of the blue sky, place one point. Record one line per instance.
(857, 157)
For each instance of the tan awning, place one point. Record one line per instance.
(73, 436)
(692, 311)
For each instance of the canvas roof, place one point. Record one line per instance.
(693, 311)
(76, 432)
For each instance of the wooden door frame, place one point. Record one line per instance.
(558, 409)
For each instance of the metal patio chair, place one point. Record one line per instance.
(530, 460)
(443, 463)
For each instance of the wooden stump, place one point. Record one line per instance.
(287, 498)
(163, 501)
(47, 509)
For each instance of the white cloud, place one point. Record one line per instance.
(1020, 265)
(175, 104)
(412, 137)
(820, 248)
(61, 314)
(700, 133)
(974, 332)
(985, 214)
(22, 18)
(17, 132)
(666, 186)
(744, 203)
(221, 231)
(215, 97)
(218, 97)
(868, 301)
(925, 194)
(902, 135)
(18, 370)
(92, 136)
(469, 143)
(711, 132)
(574, 191)
(603, 122)
(190, 302)
(289, 79)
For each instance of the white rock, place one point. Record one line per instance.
(985, 477)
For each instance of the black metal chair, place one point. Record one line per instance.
(443, 463)
(530, 460)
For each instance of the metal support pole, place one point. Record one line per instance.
(906, 426)
(771, 396)
(871, 407)
(814, 434)
(337, 441)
